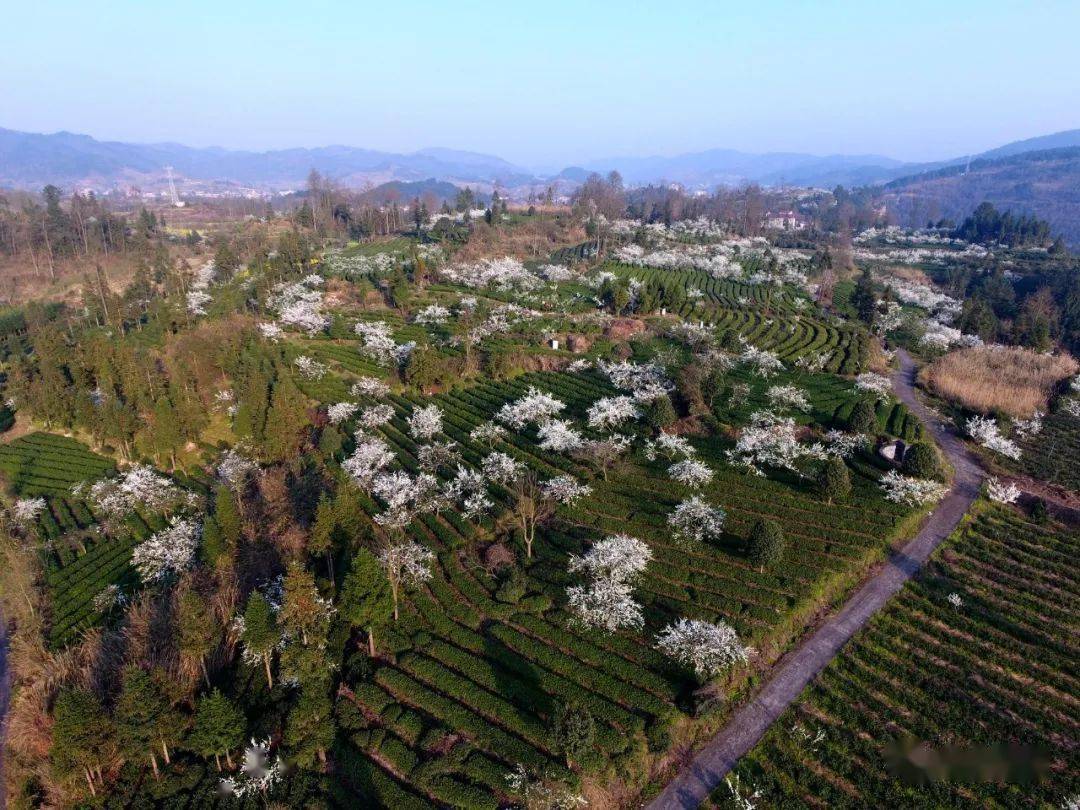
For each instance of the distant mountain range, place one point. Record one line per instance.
(29, 160)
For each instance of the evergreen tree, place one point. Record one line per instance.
(82, 734)
(144, 718)
(261, 634)
(228, 518)
(573, 732)
(365, 596)
(921, 461)
(766, 543)
(863, 417)
(220, 728)
(660, 413)
(285, 421)
(863, 299)
(166, 436)
(321, 539)
(834, 480)
(310, 728)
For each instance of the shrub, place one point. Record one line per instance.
(660, 413)
(766, 543)
(834, 480)
(921, 461)
(573, 732)
(862, 418)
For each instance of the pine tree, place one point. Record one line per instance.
(766, 543)
(220, 728)
(305, 618)
(166, 436)
(321, 540)
(833, 480)
(365, 596)
(285, 421)
(310, 728)
(573, 732)
(261, 634)
(862, 417)
(144, 718)
(227, 516)
(82, 734)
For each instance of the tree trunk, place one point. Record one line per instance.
(269, 677)
(228, 759)
(90, 782)
(153, 762)
(371, 641)
(165, 752)
(202, 666)
(217, 761)
(330, 564)
(393, 592)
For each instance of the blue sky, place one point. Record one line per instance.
(551, 82)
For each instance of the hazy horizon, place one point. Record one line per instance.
(551, 88)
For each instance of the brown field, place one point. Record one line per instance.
(1009, 379)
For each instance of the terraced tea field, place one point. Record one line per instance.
(484, 676)
(996, 668)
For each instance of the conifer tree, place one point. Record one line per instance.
(82, 734)
(144, 718)
(365, 596)
(198, 629)
(220, 728)
(321, 540)
(261, 634)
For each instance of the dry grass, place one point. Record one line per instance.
(1006, 379)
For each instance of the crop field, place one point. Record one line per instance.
(998, 668)
(1052, 455)
(482, 677)
(47, 464)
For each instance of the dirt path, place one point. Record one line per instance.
(800, 666)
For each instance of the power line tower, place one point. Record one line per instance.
(176, 201)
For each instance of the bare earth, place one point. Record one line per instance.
(800, 666)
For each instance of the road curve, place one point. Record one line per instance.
(800, 666)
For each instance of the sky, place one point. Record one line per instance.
(548, 84)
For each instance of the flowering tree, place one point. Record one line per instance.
(234, 468)
(559, 436)
(425, 422)
(369, 387)
(534, 407)
(536, 793)
(488, 433)
(380, 345)
(565, 489)
(405, 497)
(984, 430)
(26, 510)
(168, 551)
(877, 384)
(370, 457)
(695, 521)
(375, 415)
(407, 564)
(671, 446)
(611, 412)
(438, 455)
(844, 445)
(618, 557)
(707, 649)
(433, 315)
(299, 306)
(501, 468)
(257, 775)
(271, 331)
(606, 604)
(911, 491)
(1002, 492)
(771, 441)
(341, 412)
(310, 368)
(140, 486)
(603, 453)
(765, 363)
(1027, 428)
(469, 489)
(788, 396)
(691, 472)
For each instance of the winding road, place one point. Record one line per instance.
(800, 666)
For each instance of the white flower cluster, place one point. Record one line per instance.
(487, 432)
(501, 468)
(844, 445)
(109, 597)
(670, 446)
(607, 601)
(432, 315)
(26, 510)
(140, 486)
(271, 331)
(234, 468)
(955, 600)
(536, 794)
(425, 422)
(765, 363)
(707, 649)
(565, 489)
(772, 441)
(559, 436)
(374, 416)
(691, 472)
(1002, 492)
(257, 775)
(469, 488)
(405, 496)
(299, 306)
(612, 412)
(168, 551)
(637, 378)
(380, 345)
(503, 274)
(910, 491)
(198, 297)
(694, 521)
(874, 383)
(341, 412)
(984, 430)
(555, 272)
(534, 407)
(1027, 428)
(371, 456)
(788, 397)
(369, 387)
(409, 561)
(310, 368)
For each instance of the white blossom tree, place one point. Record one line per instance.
(501, 468)
(910, 491)
(369, 387)
(341, 412)
(765, 363)
(707, 649)
(603, 453)
(771, 440)
(612, 412)
(691, 472)
(234, 468)
(487, 433)
(985, 431)
(425, 422)
(407, 564)
(877, 384)
(535, 407)
(788, 397)
(375, 416)
(1002, 492)
(168, 551)
(695, 521)
(565, 489)
(371, 457)
(605, 604)
(559, 436)
(618, 557)
(258, 774)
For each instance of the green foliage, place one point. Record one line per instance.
(310, 727)
(573, 732)
(766, 543)
(862, 418)
(365, 600)
(82, 731)
(261, 633)
(660, 413)
(220, 726)
(921, 461)
(144, 718)
(833, 480)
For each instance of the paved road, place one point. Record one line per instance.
(799, 667)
